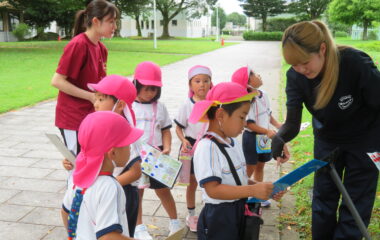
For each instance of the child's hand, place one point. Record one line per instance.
(271, 133)
(278, 195)
(67, 164)
(262, 190)
(186, 146)
(166, 151)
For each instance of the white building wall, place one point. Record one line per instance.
(180, 26)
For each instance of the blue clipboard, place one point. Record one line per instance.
(294, 176)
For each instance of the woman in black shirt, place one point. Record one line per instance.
(340, 87)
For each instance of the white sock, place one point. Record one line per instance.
(191, 211)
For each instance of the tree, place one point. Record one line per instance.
(65, 13)
(362, 12)
(263, 9)
(222, 18)
(308, 9)
(171, 8)
(136, 9)
(237, 19)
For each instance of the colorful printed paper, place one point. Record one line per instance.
(375, 157)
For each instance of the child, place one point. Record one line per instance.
(83, 61)
(257, 125)
(94, 203)
(152, 116)
(116, 93)
(222, 218)
(199, 84)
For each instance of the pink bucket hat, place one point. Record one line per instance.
(222, 93)
(241, 76)
(198, 69)
(98, 133)
(120, 87)
(148, 74)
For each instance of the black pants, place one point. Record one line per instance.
(360, 177)
(224, 221)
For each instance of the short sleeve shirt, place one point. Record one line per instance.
(211, 165)
(353, 114)
(144, 113)
(260, 112)
(182, 120)
(82, 62)
(102, 210)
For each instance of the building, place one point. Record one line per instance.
(179, 26)
(357, 32)
(8, 22)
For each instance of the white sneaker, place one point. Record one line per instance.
(266, 203)
(141, 233)
(174, 226)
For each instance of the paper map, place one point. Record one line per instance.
(161, 167)
(375, 157)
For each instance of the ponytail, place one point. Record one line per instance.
(302, 39)
(95, 9)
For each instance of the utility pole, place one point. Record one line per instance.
(217, 22)
(155, 25)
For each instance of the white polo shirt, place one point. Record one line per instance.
(260, 112)
(210, 164)
(144, 117)
(182, 120)
(102, 210)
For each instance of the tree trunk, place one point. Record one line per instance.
(365, 29)
(138, 27)
(165, 30)
(264, 18)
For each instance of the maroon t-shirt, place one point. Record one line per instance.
(82, 62)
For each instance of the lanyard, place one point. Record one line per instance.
(219, 138)
(152, 125)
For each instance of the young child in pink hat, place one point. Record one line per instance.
(153, 117)
(199, 84)
(257, 130)
(94, 203)
(224, 190)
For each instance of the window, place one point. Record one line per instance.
(142, 25)
(161, 22)
(152, 24)
(174, 22)
(147, 24)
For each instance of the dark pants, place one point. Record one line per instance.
(131, 207)
(360, 177)
(223, 221)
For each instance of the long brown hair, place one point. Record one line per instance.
(302, 39)
(96, 8)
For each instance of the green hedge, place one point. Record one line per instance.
(262, 36)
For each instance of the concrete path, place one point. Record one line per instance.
(32, 180)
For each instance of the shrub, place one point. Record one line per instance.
(340, 34)
(280, 24)
(21, 31)
(372, 35)
(262, 36)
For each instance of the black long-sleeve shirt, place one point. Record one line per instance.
(352, 117)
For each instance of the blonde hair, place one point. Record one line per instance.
(302, 39)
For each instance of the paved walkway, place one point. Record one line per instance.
(32, 181)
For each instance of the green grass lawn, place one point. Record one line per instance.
(27, 67)
(302, 151)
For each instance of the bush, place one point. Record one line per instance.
(280, 24)
(21, 31)
(372, 35)
(46, 36)
(340, 34)
(262, 36)
(226, 32)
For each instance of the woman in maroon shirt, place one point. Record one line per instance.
(83, 61)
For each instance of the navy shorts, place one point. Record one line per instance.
(249, 149)
(224, 221)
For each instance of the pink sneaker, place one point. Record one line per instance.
(191, 222)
